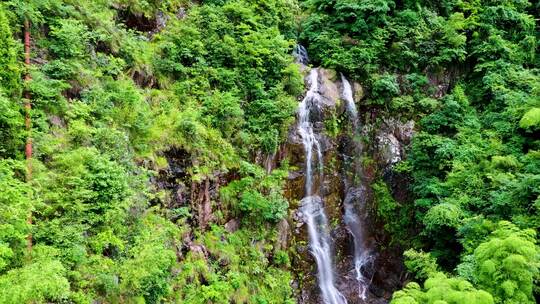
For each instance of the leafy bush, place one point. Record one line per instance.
(507, 264)
(258, 195)
(422, 264)
(11, 128)
(69, 39)
(441, 289)
(44, 280)
(531, 119)
(15, 205)
(227, 49)
(10, 77)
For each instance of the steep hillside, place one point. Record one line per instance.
(269, 151)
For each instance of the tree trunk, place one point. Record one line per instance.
(207, 207)
(27, 121)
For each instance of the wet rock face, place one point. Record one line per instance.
(391, 139)
(328, 186)
(175, 178)
(284, 232)
(180, 190)
(358, 92)
(387, 147)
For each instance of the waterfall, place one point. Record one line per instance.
(355, 224)
(353, 212)
(312, 203)
(301, 54)
(347, 95)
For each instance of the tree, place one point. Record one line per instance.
(9, 66)
(14, 205)
(439, 289)
(41, 281)
(27, 118)
(422, 264)
(507, 264)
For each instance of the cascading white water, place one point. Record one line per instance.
(312, 204)
(305, 128)
(355, 224)
(347, 95)
(301, 55)
(352, 218)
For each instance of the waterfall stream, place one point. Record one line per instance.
(312, 203)
(354, 212)
(347, 95)
(301, 54)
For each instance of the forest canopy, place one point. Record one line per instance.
(150, 124)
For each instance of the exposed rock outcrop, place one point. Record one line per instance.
(387, 147)
(391, 139)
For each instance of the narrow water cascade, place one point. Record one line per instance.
(300, 54)
(312, 203)
(347, 95)
(354, 204)
(356, 226)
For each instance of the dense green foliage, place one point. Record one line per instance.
(440, 289)
(468, 73)
(113, 88)
(117, 85)
(258, 195)
(232, 54)
(506, 264)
